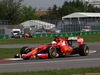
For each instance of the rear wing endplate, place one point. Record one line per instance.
(78, 39)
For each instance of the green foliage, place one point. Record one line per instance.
(28, 13)
(15, 12)
(10, 10)
(68, 8)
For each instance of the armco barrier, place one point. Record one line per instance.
(65, 34)
(4, 36)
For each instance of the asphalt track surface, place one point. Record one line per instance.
(68, 62)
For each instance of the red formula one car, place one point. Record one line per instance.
(58, 47)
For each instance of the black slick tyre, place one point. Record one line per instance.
(51, 52)
(83, 50)
(17, 56)
(25, 50)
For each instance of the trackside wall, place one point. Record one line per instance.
(65, 34)
(57, 34)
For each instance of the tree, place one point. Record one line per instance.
(15, 12)
(28, 13)
(10, 10)
(70, 7)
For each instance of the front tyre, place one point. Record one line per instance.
(17, 56)
(83, 50)
(51, 52)
(25, 50)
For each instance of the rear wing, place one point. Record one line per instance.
(78, 39)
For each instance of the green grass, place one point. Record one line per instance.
(26, 41)
(87, 38)
(91, 38)
(8, 52)
(57, 72)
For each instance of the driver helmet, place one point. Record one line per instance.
(53, 42)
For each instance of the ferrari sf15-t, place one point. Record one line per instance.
(58, 47)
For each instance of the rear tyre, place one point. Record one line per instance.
(25, 50)
(83, 50)
(51, 52)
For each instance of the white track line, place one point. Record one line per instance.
(54, 61)
(9, 59)
(92, 51)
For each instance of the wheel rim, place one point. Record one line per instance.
(86, 50)
(53, 52)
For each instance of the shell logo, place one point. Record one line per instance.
(66, 50)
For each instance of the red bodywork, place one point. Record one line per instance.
(61, 46)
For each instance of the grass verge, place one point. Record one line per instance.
(87, 38)
(58, 72)
(26, 41)
(8, 52)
